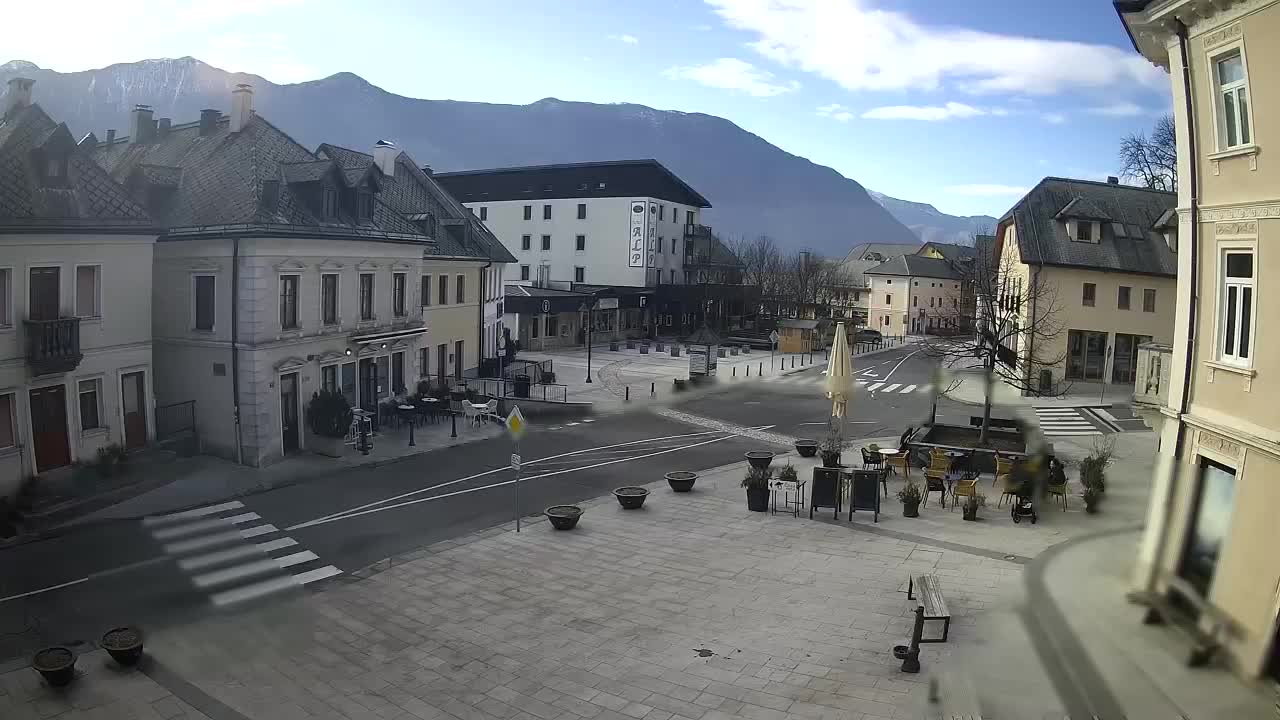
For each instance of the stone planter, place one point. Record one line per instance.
(675, 351)
(969, 514)
(56, 664)
(733, 351)
(660, 347)
(911, 509)
(720, 352)
(644, 349)
(613, 347)
(631, 344)
(679, 384)
(746, 349)
(563, 517)
(830, 459)
(681, 480)
(759, 459)
(124, 644)
(758, 499)
(326, 446)
(807, 448)
(631, 498)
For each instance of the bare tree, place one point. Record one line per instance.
(1014, 324)
(761, 263)
(1151, 161)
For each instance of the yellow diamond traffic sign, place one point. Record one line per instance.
(516, 424)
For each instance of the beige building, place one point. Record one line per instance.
(851, 297)
(280, 271)
(75, 300)
(1090, 275)
(1211, 536)
(916, 295)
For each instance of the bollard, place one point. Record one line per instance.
(652, 391)
(411, 443)
(735, 371)
(748, 371)
(364, 438)
(628, 397)
(760, 369)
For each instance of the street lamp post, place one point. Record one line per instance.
(590, 318)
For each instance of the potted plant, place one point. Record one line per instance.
(124, 644)
(563, 517)
(831, 447)
(56, 664)
(756, 482)
(681, 480)
(807, 447)
(613, 345)
(971, 505)
(631, 344)
(105, 461)
(644, 348)
(1092, 497)
(659, 346)
(631, 498)
(910, 497)
(759, 459)
(788, 473)
(679, 384)
(329, 417)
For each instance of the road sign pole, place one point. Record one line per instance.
(518, 466)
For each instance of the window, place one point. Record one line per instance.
(6, 283)
(366, 296)
(673, 246)
(329, 299)
(425, 291)
(461, 289)
(329, 378)
(54, 168)
(1148, 300)
(365, 205)
(552, 323)
(330, 203)
(1089, 293)
(580, 243)
(288, 302)
(955, 304)
(1084, 231)
(204, 297)
(579, 274)
(662, 243)
(888, 299)
(397, 373)
(528, 212)
(524, 272)
(915, 301)
(546, 242)
(484, 213)
(546, 212)
(662, 210)
(526, 241)
(672, 276)
(397, 295)
(1233, 102)
(1122, 298)
(1236, 301)
(424, 362)
(90, 404)
(443, 296)
(931, 301)
(8, 436)
(582, 211)
(688, 217)
(87, 288)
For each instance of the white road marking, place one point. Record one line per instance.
(199, 562)
(191, 514)
(50, 588)
(873, 386)
(276, 584)
(895, 367)
(169, 533)
(891, 388)
(907, 389)
(240, 572)
(207, 541)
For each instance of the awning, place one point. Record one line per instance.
(388, 335)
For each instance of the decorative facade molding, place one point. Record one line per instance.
(330, 356)
(289, 364)
(1234, 31)
(1219, 444)
(1245, 212)
(1212, 22)
(402, 266)
(330, 264)
(367, 265)
(204, 265)
(290, 265)
(1243, 227)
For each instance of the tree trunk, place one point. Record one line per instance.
(988, 383)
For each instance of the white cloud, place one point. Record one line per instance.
(870, 49)
(923, 112)
(733, 74)
(627, 39)
(835, 111)
(1054, 118)
(986, 189)
(1120, 109)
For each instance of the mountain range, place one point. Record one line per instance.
(754, 187)
(931, 225)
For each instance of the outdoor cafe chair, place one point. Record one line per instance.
(936, 475)
(871, 459)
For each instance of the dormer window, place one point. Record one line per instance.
(364, 203)
(329, 206)
(1084, 231)
(55, 170)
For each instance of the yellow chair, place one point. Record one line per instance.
(968, 488)
(1060, 491)
(1004, 466)
(1010, 488)
(935, 475)
(899, 461)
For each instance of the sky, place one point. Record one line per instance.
(964, 104)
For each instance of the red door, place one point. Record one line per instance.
(49, 427)
(133, 392)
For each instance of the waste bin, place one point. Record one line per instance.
(521, 386)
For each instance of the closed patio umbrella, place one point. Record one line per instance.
(839, 382)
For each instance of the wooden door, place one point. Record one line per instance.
(133, 396)
(289, 412)
(49, 427)
(45, 293)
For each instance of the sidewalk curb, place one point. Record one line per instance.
(1080, 686)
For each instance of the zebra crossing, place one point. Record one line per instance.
(870, 385)
(233, 555)
(1065, 422)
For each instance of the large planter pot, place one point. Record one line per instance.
(631, 344)
(56, 664)
(124, 644)
(970, 515)
(631, 498)
(720, 352)
(759, 459)
(326, 446)
(521, 385)
(563, 517)
(644, 349)
(746, 349)
(807, 448)
(660, 347)
(681, 480)
(911, 509)
(733, 351)
(613, 346)
(758, 499)
(675, 351)
(679, 384)
(830, 459)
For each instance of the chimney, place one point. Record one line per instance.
(111, 135)
(208, 122)
(384, 156)
(1113, 180)
(241, 106)
(19, 95)
(426, 169)
(141, 124)
(162, 127)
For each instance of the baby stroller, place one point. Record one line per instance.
(1026, 473)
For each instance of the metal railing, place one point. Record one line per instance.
(53, 345)
(506, 389)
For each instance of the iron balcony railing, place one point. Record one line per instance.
(53, 346)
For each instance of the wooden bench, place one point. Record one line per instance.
(935, 606)
(1162, 608)
(994, 422)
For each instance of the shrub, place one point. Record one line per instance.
(757, 478)
(910, 493)
(788, 473)
(329, 414)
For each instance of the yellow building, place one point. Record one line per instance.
(1098, 273)
(1211, 537)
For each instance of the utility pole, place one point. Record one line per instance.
(590, 317)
